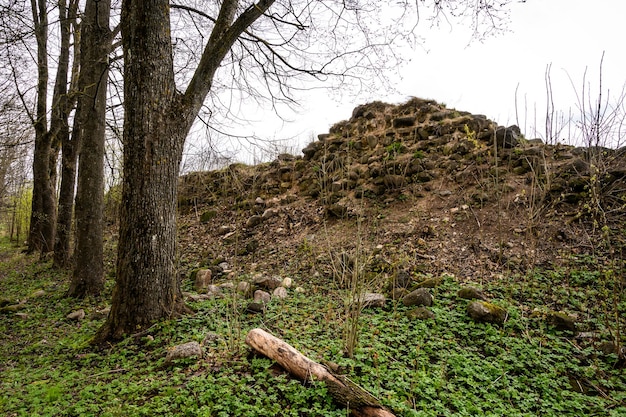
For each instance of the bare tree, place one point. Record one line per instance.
(88, 275)
(26, 27)
(68, 140)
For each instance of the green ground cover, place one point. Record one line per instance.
(447, 366)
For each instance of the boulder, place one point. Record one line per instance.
(210, 339)
(262, 297)
(507, 137)
(370, 300)
(269, 213)
(471, 293)
(76, 315)
(244, 288)
(203, 280)
(254, 221)
(37, 294)
(483, 311)
(267, 282)
(419, 297)
(255, 308)
(280, 292)
(420, 313)
(398, 293)
(429, 283)
(561, 321)
(186, 350)
(401, 279)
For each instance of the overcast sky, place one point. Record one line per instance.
(482, 77)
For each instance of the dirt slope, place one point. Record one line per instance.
(415, 187)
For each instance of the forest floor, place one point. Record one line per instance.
(448, 365)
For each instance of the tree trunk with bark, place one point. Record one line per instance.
(157, 120)
(43, 212)
(147, 287)
(88, 275)
(69, 145)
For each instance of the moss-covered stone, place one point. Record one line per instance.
(471, 293)
(419, 297)
(429, 283)
(420, 313)
(482, 311)
(561, 321)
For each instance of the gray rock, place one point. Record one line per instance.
(261, 297)
(561, 321)
(244, 287)
(203, 280)
(224, 230)
(398, 293)
(371, 300)
(255, 308)
(76, 315)
(266, 282)
(269, 213)
(254, 221)
(37, 294)
(508, 137)
(405, 121)
(280, 292)
(186, 350)
(419, 297)
(402, 279)
(429, 283)
(287, 282)
(210, 339)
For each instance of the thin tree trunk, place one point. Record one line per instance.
(61, 257)
(69, 157)
(43, 212)
(88, 275)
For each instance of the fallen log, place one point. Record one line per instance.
(360, 402)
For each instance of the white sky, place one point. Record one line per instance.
(571, 35)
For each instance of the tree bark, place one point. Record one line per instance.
(344, 391)
(157, 120)
(147, 287)
(69, 146)
(43, 212)
(88, 275)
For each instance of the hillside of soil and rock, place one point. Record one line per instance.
(445, 265)
(414, 187)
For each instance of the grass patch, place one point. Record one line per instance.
(449, 366)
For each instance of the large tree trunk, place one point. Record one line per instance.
(88, 276)
(157, 120)
(147, 287)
